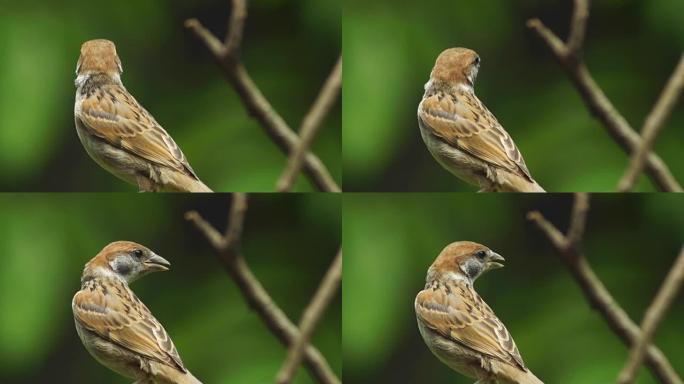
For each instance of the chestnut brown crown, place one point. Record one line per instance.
(98, 56)
(456, 66)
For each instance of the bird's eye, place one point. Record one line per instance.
(481, 254)
(477, 60)
(137, 253)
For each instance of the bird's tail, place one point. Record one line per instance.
(534, 187)
(165, 374)
(530, 378)
(199, 186)
(515, 183)
(175, 181)
(510, 374)
(188, 378)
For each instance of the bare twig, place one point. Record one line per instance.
(653, 125)
(654, 315)
(578, 28)
(312, 314)
(254, 293)
(598, 103)
(236, 25)
(578, 220)
(226, 56)
(310, 126)
(236, 218)
(599, 297)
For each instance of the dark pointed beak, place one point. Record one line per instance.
(157, 263)
(495, 261)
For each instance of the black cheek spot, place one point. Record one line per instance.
(473, 270)
(123, 269)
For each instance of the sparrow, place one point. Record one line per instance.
(461, 133)
(119, 134)
(116, 327)
(459, 327)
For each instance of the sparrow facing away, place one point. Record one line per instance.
(116, 327)
(461, 133)
(119, 134)
(459, 327)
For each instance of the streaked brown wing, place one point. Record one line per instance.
(115, 116)
(127, 323)
(465, 123)
(467, 320)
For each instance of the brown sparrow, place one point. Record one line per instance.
(119, 134)
(459, 327)
(116, 327)
(461, 133)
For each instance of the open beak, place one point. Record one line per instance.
(495, 261)
(157, 263)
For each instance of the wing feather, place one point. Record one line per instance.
(114, 313)
(464, 318)
(463, 121)
(116, 117)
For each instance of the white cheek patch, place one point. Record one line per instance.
(472, 74)
(80, 80)
(457, 276)
(465, 87)
(107, 272)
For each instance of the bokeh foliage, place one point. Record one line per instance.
(289, 242)
(289, 48)
(632, 47)
(391, 240)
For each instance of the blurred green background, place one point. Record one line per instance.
(391, 240)
(632, 47)
(289, 48)
(289, 242)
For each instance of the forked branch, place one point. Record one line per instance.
(310, 318)
(654, 315)
(569, 56)
(227, 56)
(596, 292)
(653, 126)
(227, 249)
(310, 125)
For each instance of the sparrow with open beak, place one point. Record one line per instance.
(459, 327)
(116, 327)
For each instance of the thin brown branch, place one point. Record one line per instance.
(310, 126)
(255, 294)
(310, 318)
(213, 236)
(256, 104)
(236, 25)
(652, 319)
(236, 219)
(653, 126)
(600, 299)
(578, 28)
(594, 98)
(578, 220)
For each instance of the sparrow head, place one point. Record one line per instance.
(456, 66)
(99, 57)
(125, 260)
(464, 260)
